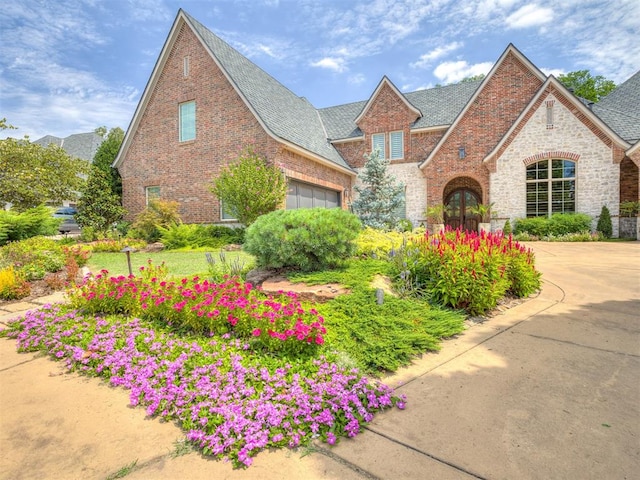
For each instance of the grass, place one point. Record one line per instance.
(179, 262)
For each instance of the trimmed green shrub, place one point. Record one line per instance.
(308, 239)
(556, 225)
(507, 230)
(604, 223)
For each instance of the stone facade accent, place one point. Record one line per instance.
(597, 175)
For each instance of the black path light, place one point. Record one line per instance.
(128, 251)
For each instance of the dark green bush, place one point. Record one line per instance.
(308, 239)
(36, 221)
(507, 230)
(604, 223)
(159, 213)
(558, 224)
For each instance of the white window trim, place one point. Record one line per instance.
(185, 66)
(374, 147)
(180, 105)
(391, 157)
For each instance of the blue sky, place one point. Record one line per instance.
(69, 66)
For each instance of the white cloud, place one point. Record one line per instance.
(336, 64)
(531, 15)
(452, 72)
(438, 52)
(357, 79)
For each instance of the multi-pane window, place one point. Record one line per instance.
(378, 143)
(396, 145)
(551, 187)
(152, 193)
(225, 213)
(187, 121)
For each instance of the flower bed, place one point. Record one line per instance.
(232, 402)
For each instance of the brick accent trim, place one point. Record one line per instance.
(552, 154)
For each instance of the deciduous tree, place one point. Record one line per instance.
(250, 187)
(587, 86)
(31, 175)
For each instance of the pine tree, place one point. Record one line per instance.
(379, 196)
(604, 223)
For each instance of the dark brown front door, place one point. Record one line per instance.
(458, 212)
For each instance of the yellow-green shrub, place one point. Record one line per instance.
(378, 243)
(12, 285)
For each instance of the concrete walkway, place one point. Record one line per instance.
(547, 390)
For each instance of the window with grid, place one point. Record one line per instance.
(551, 187)
(187, 121)
(377, 143)
(396, 145)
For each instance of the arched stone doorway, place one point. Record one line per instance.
(461, 195)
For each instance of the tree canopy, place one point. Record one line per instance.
(106, 154)
(31, 175)
(250, 187)
(587, 86)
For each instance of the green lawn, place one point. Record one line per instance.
(179, 263)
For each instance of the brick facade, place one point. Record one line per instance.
(431, 168)
(224, 128)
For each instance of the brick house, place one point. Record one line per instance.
(517, 138)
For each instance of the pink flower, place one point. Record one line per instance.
(256, 332)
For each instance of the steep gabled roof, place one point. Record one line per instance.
(576, 102)
(374, 95)
(621, 109)
(511, 49)
(439, 107)
(288, 118)
(78, 145)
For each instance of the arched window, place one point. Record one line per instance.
(551, 187)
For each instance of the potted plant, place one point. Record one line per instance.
(435, 217)
(485, 212)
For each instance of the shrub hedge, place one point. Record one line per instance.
(556, 225)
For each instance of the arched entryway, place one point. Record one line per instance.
(461, 195)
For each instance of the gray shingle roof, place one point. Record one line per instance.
(286, 115)
(620, 110)
(79, 145)
(439, 106)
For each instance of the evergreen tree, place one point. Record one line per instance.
(106, 154)
(604, 223)
(98, 207)
(379, 196)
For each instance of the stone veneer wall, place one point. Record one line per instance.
(415, 192)
(597, 176)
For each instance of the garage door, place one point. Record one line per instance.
(305, 195)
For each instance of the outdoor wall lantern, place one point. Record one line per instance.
(461, 153)
(128, 251)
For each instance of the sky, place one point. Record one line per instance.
(70, 66)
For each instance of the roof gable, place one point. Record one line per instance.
(286, 117)
(621, 109)
(511, 50)
(555, 87)
(385, 82)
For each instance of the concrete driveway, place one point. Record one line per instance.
(548, 389)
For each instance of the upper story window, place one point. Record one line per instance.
(187, 121)
(551, 187)
(378, 143)
(396, 145)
